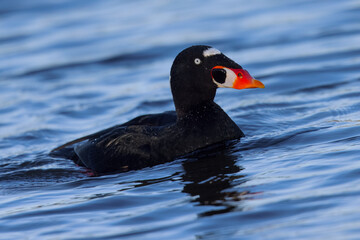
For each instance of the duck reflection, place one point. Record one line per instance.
(210, 175)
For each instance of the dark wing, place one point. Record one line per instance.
(125, 148)
(159, 119)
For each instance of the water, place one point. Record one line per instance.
(70, 68)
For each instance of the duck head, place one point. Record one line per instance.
(199, 70)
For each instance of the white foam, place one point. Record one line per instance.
(211, 52)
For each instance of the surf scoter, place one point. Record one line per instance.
(152, 139)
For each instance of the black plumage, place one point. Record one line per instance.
(157, 138)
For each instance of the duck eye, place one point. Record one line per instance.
(197, 61)
(219, 75)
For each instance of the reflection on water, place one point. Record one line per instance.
(68, 69)
(209, 178)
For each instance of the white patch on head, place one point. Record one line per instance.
(211, 52)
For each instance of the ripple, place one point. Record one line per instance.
(71, 68)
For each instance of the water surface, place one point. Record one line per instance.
(70, 68)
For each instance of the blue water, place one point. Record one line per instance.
(70, 68)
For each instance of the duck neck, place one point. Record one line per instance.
(198, 111)
(208, 119)
(193, 102)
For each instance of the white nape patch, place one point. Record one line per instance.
(211, 52)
